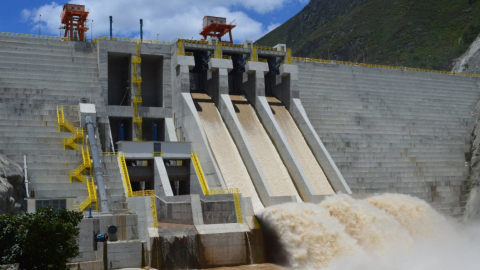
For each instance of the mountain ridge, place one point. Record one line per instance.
(422, 34)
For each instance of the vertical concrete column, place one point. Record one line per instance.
(188, 122)
(217, 83)
(254, 81)
(161, 182)
(167, 83)
(288, 89)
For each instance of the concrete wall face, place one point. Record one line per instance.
(394, 130)
(158, 85)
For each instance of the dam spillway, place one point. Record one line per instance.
(228, 158)
(275, 172)
(300, 148)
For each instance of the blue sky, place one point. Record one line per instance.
(169, 19)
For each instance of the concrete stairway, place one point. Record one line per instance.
(394, 131)
(114, 183)
(35, 77)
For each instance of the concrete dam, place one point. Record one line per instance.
(208, 154)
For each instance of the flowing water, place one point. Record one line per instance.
(389, 231)
(226, 153)
(275, 172)
(300, 148)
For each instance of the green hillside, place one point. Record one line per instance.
(415, 33)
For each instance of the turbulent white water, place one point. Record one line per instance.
(389, 231)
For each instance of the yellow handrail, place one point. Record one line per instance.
(383, 66)
(86, 164)
(133, 40)
(153, 205)
(200, 175)
(236, 198)
(62, 122)
(288, 60)
(254, 56)
(180, 47)
(21, 35)
(218, 51)
(137, 98)
(71, 141)
(92, 196)
(126, 177)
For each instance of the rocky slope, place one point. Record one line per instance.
(470, 61)
(423, 34)
(11, 186)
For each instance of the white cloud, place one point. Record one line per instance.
(272, 26)
(170, 19)
(25, 15)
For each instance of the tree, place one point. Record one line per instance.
(42, 240)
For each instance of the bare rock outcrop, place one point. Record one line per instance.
(11, 186)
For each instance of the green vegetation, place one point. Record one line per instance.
(42, 240)
(414, 33)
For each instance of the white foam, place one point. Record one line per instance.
(389, 231)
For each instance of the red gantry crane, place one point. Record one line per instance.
(217, 27)
(74, 18)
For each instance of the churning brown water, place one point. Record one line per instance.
(389, 231)
(266, 266)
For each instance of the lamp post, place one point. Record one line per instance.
(157, 37)
(40, 24)
(91, 29)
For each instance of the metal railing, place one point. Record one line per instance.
(153, 204)
(125, 176)
(236, 198)
(92, 197)
(207, 191)
(288, 59)
(62, 122)
(200, 175)
(137, 98)
(86, 164)
(227, 44)
(254, 55)
(383, 66)
(266, 48)
(132, 40)
(32, 36)
(72, 141)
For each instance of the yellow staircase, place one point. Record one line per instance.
(62, 122)
(91, 199)
(126, 177)
(86, 164)
(78, 133)
(72, 141)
